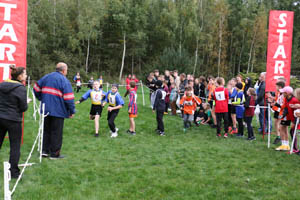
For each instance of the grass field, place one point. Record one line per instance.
(182, 166)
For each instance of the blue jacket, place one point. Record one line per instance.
(55, 90)
(240, 109)
(114, 99)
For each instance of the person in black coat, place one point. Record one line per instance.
(159, 106)
(13, 102)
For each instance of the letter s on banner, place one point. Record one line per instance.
(279, 47)
(13, 35)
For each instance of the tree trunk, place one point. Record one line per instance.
(253, 59)
(196, 57)
(239, 66)
(87, 56)
(251, 48)
(54, 12)
(123, 58)
(132, 64)
(220, 43)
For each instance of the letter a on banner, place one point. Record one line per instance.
(279, 47)
(13, 35)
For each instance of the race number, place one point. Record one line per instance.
(220, 96)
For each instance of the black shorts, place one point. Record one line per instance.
(96, 110)
(233, 111)
(285, 122)
(276, 115)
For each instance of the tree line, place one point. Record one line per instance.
(117, 37)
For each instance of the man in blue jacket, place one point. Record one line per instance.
(55, 90)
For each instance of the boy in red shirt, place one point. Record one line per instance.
(188, 104)
(221, 98)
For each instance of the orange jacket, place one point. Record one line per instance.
(189, 104)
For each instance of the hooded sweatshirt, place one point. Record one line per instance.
(13, 100)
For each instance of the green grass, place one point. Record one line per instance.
(195, 165)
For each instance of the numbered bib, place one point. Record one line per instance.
(220, 96)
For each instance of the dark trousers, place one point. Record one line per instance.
(160, 122)
(53, 135)
(14, 130)
(167, 107)
(111, 116)
(78, 88)
(241, 126)
(221, 116)
(248, 121)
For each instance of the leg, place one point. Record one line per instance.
(241, 126)
(15, 135)
(213, 114)
(159, 118)
(111, 120)
(97, 117)
(261, 120)
(219, 118)
(185, 125)
(132, 124)
(56, 136)
(225, 118)
(233, 117)
(47, 134)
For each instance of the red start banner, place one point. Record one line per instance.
(279, 47)
(13, 35)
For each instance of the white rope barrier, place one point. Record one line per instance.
(7, 178)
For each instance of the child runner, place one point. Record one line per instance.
(159, 106)
(115, 103)
(232, 111)
(96, 95)
(276, 105)
(77, 80)
(239, 101)
(286, 115)
(249, 112)
(221, 97)
(206, 119)
(188, 104)
(132, 108)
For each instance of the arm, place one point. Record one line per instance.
(37, 89)
(261, 94)
(22, 98)
(84, 97)
(247, 103)
(68, 96)
(157, 97)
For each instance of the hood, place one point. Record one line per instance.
(249, 84)
(9, 85)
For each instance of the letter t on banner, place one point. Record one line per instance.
(13, 35)
(279, 47)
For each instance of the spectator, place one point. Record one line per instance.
(55, 91)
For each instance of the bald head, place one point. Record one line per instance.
(62, 68)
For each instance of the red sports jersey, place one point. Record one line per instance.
(221, 97)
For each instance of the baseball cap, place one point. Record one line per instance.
(287, 89)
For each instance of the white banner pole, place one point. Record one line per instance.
(7, 178)
(269, 124)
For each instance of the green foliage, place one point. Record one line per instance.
(174, 59)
